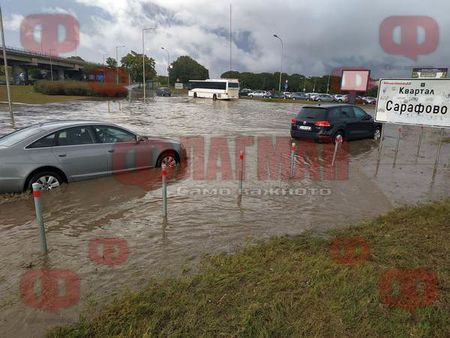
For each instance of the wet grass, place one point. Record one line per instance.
(26, 94)
(293, 287)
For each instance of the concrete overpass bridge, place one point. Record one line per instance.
(22, 61)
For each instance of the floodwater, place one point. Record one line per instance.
(204, 216)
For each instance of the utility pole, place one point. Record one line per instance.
(281, 68)
(143, 57)
(117, 63)
(51, 64)
(5, 61)
(231, 39)
(168, 66)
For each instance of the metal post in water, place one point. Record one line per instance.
(380, 149)
(164, 190)
(39, 216)
(241, 177)
(109, 106)
(241, 174)
(397, 147)
(293, 150)
(438, 154)
(120, 105)
(420, 144)
(337, 144)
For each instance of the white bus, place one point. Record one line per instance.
(220, 89)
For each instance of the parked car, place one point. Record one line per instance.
(244, 92)
(287, 95)
(324, 98)
(299, 96)
(52, 153)
(259, 93)
(341, 98)
(163, 91)
(312, 96)
(369, 100)
(326, 123)
(276, 95)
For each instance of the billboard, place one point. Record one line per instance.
(414, 101)
(355, 80)
(429, 73)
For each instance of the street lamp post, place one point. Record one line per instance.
(143, 56)
(51, 64)
(168, 66)
(5, 62)
(282, 52)
(117, 61)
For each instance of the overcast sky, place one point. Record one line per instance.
(318, 36)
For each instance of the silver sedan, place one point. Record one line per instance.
(56, 152)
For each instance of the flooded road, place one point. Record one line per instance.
(204, 216)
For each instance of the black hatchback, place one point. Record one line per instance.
(325, 123)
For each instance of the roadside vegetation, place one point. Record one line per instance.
(80, 88)
(27, 94)
(296, 286)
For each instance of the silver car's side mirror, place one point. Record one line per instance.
(140, 139)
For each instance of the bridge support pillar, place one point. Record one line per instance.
(60, 74)
(16, 70)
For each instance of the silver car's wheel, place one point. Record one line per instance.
(169, 159)
(48, 182)
(377, 134)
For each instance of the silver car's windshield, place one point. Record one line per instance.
(17, 136)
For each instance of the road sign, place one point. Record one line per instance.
(178, 85)
(355, 80)
(414, 101)
(433, 73)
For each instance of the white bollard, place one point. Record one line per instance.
(241, 174)
(293, 150)
(337, 144)
(39, 216)
(164, 190)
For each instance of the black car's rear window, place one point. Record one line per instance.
(312, 113)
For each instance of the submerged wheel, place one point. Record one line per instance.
(377, 133)
(195, 95)
(214, 97)
(49, 180)
(169, 158)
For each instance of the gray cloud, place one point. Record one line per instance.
(318, 36)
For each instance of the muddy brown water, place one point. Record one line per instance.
(204, 216)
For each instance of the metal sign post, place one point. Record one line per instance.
(293, 149)
(438, 154)
(397, 147)
(420, 144)
(380, 150)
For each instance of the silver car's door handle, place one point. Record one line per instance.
(62, 155)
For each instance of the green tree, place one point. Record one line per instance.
(185, 68)
(111, 62)
(132, 62)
